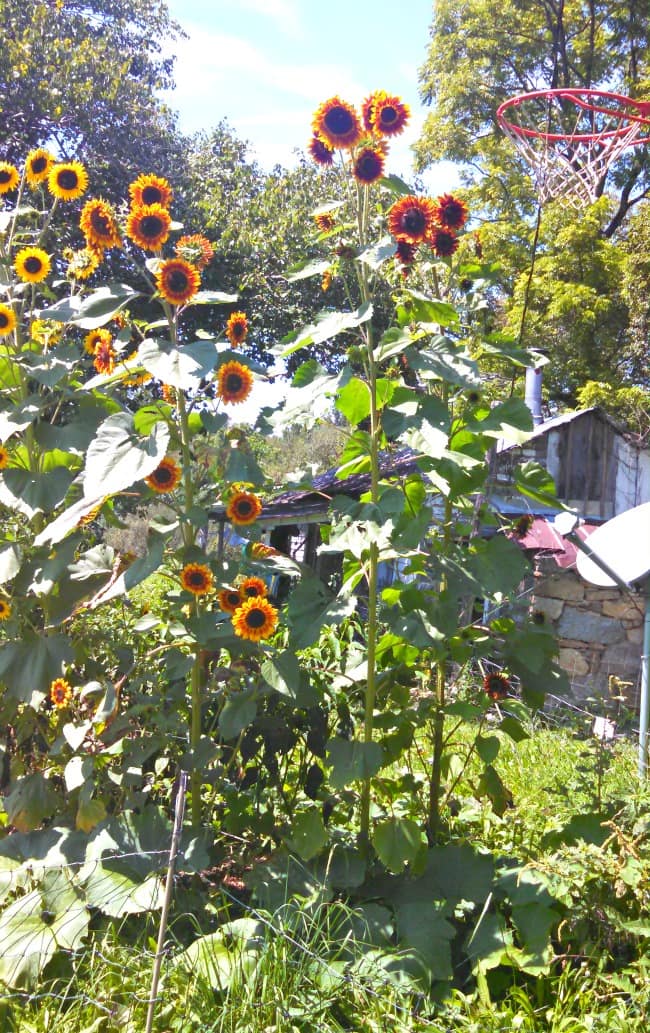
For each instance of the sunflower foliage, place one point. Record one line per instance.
(297, 720)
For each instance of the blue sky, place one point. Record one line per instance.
(265, 66)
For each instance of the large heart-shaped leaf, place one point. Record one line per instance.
(119, 456)
(180, 367)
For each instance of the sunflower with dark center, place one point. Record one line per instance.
(243, 508)
(389, 115)
(237, 328)
(99, 224)
(148, 226)
(5, 610)
(451, 212)
(367, 110)
(83, 263)
(255, 619)
(9, 177)
(166, 477)
(7, 319)
(104, 358)
(261, 551)
(320, 152)
(60, 693)
(177, 281)
(4, 458)
(195, 249)
(150, 189)
(368, 165)
(443, 243)
(95, 338)
(37, 166)
(411, 219)
(325, 221)
(336, 123)
(32, 264)
(496, 685)
(251, 587)
(405, 254)
(229, 600)
(196, 578)
(67, 180)
(234, 382)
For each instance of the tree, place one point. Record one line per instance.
(81, 77)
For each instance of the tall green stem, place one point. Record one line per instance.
(435, 781)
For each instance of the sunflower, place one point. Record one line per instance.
(83, 263)
(237, 328)
(522, 525)
(336, 123)
(60, 692)
(496, 685)
(45, 332)
(5, 610)
(169, 394)
(99, 224)
(389, 114)
(326, 281)
(196, 578)
(251, 587)
(451, 212)
(195, 249)
(7, 320)
(148, 226)
(234, 382)
(37, 166)
(255, 619)
(67, 180)
(261, 551)
(4, 457)
(165, 477)
(229, 600)
(104, 358)
(177, 281)
(9, 177)
(325, 221)
(368, 165)
(149, 189)
(405, 255)
(367, 110)
(32, 264)
(443, 243)
(411, 219)
(320, 152)
(243, 508)
(96, 337)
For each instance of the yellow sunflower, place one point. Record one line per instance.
(104, 358)
(336, 123)
(67, 180)
(368, 165)
(32, 264)
(149, 189)
(195, 249)
(37, 166)
(83, 263)
(95, 338)
(450, 212)
(389, 114)
(7, 320)
(251, 587)
(255, 619)
(234, 382)
(320, 152)
(412, 218)
(5, 610)
(4, 457)
(45, 332)
(99, 224)
(165, 477)
(243, 508)
(325, 221)
(169, 394)
(9, 177)
(229, 600)
(196, 578)
(148, 226)
(237, 328)
(177, 281)
(60, 693)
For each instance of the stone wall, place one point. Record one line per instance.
(600, 630)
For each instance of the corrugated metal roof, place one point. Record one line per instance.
(541, 536)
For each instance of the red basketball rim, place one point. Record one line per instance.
(590, 100)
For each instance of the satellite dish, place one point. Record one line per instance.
(623, 544)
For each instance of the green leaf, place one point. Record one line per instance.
(536, 483)
(10, 560)
(284, 673)
(98, 560)
(137, 572)
(213, 421)
(15, 419)
(118, 456)
(28, 667)
(242, 468)
(353, 400)
(395, 185)
(376, 254)
(67, 521)
(397, 842)
(352, 761)
(487, 747)
(490, 943)
(213, 298)
(308, 834)
(303, 270)
(311, 607)
(93, 311)
(514, 729)
(148, 415)
(226, 959)
(328, 325)
(426, 928)
(510, 421)
(430, 310)
(238, 713)
(32, 493)
(31, 800)
(182, 367)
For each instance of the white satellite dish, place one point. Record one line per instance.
(623, 545)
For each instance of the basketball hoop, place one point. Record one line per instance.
(570, 137)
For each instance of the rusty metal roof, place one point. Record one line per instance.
(542, 537)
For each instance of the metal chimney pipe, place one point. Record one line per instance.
(533, 396)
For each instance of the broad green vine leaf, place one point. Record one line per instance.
(308, 834)
(426, 928)
(180, 367)
(327, 325)
(118, 456)
(352, 761)
(94, 310)
(397, 842)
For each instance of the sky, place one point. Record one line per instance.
(266, 65)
